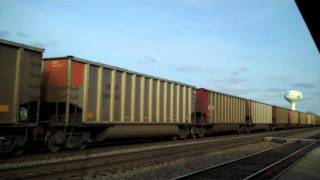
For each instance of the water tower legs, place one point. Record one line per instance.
(293, 106)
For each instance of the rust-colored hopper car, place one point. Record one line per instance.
(100, 101)
(220, 112)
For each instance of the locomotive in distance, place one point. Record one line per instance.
(69, 102)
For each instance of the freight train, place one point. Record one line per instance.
(69, 102)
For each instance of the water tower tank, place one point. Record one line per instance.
(293, 96)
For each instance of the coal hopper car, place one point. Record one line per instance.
(20, 86)
(280, 117)
(259, 116)
(85, 101)
(219, 112)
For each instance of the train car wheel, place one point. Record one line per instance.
(83, 146)
(85, 138)
(174, 138)
(201, 133)
(18, 152)
(54, 147)
(183, 136)
(193, 133)
(56, 141)
(18, 146)
(245, 130)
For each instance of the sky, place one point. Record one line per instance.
(249, 48)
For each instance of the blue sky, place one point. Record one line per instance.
(250, 48)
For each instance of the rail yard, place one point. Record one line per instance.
(159, 90)
(69, 102)
(82, 108)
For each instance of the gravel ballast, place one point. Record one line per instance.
(178, 167)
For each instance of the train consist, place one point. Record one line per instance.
(68, 102)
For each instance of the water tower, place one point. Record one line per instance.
(293, 96)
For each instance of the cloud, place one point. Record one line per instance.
(44, 44)
(243, 69)
(268, 95)
(311, 97)
(307, 85)
(148, 59)
(234, 86)
(194, 1)
(236, 80)
(235, 73)
(4, 33)
(310, 100)
(186, 69)
(275, 89)
(239, 71)
(248, 57)
(278, 78)
(21, 34)
(237, 89)
(195, 69)
(228, 81)
(281, 78)
(189, 69)
(30, 40)
(38, 44)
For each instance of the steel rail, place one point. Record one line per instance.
(284, 161)
(308, 147)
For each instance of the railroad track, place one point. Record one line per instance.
(108, 164)
(41, 158)
(118, 162)
(261, 165)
